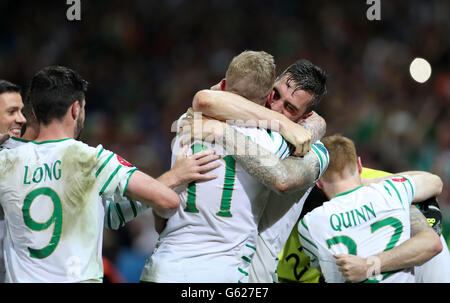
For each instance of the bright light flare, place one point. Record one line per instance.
(420, 70)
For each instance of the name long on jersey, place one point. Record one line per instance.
(218, 217)
(50, 196)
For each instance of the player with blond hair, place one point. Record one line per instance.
(213, 235)
(296, 92)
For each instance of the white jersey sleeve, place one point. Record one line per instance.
(268, 139)
(223, 211)
(112, 173)
(308, 244)
(59, 181)
(119, 213)
(400, 189)
(363, 221)
(322, 154)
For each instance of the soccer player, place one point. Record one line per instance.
(11, 105)
(213, 235)
(50, 189)
(11, 121)
(295, 94)
(185, 170)
(412, 252)
(363, 220)
(294, 265)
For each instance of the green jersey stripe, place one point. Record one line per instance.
(318, 155)
(103, 165)
(325, 153)
(109, 180)
(51, 141)
(252, 247)
(404, 186)
(304, 225)
(270, 134)
(412, 188)
(282, 143)
(100, 152)
(128, 179)
(246, 259)
(307, 240)
(285, 150)
(387, 189)
(109, 215)
(243, 271)
(398, 194)
(119, 214)
(347, 192)
(19, 140)
(310, 253)
(133, 208)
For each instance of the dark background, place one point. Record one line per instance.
(145, 59)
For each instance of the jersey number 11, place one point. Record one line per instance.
(228, 186)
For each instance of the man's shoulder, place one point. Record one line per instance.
(75, 146)
(13, 142)
(320, 211)
(15, 146)
(69, 151)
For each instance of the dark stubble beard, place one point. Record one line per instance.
(78, 129)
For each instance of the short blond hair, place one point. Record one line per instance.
(251, 74)
(343, 158)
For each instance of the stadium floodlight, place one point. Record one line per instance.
(420, 70)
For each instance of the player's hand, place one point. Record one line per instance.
(353, 268)
(298, 136)
(205, 129)
(196, 166)
(4, 137)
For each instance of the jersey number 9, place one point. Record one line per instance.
(56, 219)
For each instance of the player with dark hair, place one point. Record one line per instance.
(50, 189)
(242, 199)
(299, 89)
(11, 105)
(295, 94)
(11, 122)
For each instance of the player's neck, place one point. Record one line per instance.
(55, 131)
(31, 132)
(341, 186)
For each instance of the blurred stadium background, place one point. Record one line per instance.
(145, 59)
